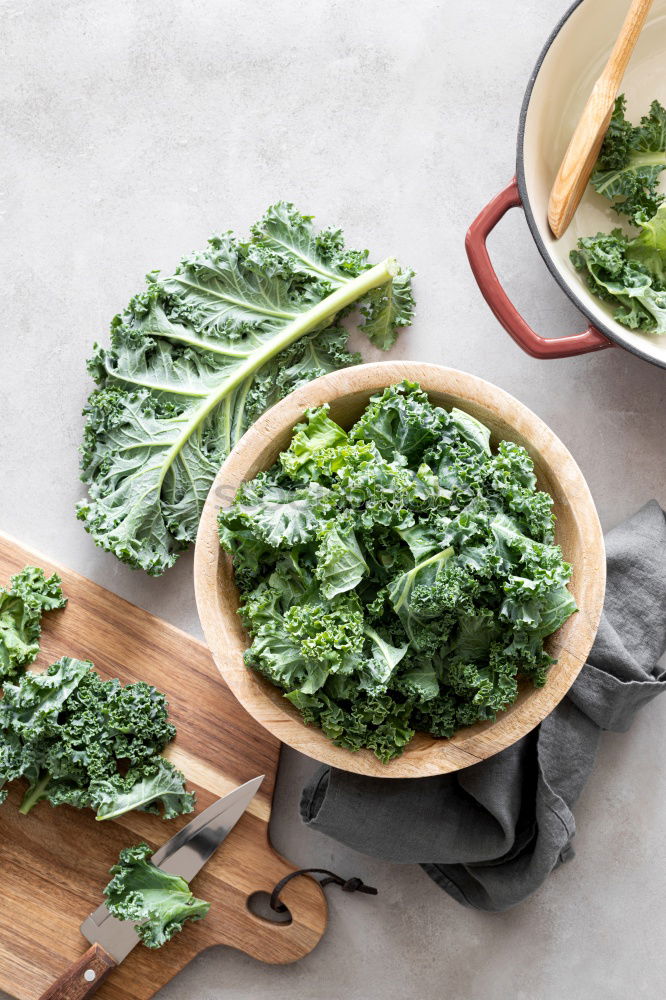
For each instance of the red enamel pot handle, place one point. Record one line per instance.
(492, 291)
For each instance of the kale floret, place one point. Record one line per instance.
(631, 160)
(67, 732)
(157, 903)
(22, 604)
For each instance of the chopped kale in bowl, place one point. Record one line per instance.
(400, 576)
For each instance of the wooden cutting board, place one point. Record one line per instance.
(54, 863)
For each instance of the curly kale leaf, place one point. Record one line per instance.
(415, 580)
(200, 354)
(280, 519)
(629, 274)
(304, 644)
(154, 787)
(316, 433)
(358, 477)
(157, 903)
(340, 562)
(30, 594)
(67, 731)
(386, 308)
(376, 722)
(380, 666)
(426, 594)
(631, 160)
(401, 421)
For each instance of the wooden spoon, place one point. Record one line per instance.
(583, 149)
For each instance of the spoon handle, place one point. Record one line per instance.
(585, 143)
(626, 43)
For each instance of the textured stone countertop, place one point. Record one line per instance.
(135, 128)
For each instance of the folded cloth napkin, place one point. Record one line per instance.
(491, 834)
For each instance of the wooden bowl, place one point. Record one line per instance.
(578, 532)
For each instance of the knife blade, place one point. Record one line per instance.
(184, 854)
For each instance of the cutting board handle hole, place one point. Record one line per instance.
(258, 903)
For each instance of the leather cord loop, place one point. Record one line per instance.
(353, 884)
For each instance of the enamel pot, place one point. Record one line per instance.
(561, 82)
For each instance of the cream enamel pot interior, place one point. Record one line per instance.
(577, 531)
(570, 62)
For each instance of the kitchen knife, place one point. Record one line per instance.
(185, 854)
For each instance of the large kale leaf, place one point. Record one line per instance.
(159, 904)
(631, 160)
(200, 354)
(22, 605)
(67, 732)
(398, 576)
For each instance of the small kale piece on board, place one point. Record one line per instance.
(201, 353)
(22, 605)
(89, 743)
(159, 904)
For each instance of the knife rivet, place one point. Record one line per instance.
(89, 975)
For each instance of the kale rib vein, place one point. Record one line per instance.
(35, 794)
(240, 303)
(310, 320)
(198, 342)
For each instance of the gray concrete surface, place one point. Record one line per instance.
(135, 128)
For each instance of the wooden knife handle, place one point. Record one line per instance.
(83, 978)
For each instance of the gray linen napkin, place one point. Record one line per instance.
(492, 833)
